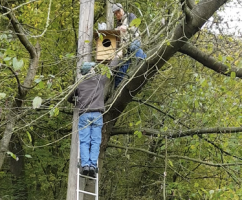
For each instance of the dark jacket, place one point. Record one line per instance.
(89, 94)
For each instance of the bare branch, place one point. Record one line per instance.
(178, 134)
(10, 10)
(22, 37)
(209, 61)
(176, 156)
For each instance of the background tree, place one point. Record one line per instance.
(173, 125)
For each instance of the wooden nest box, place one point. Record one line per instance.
(107, 44)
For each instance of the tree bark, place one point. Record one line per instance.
(139, 75)
(17, 169)
(33, 66)
(109, 17)
(86, 18)
(209, 61)
(176, 157)
(178, 134)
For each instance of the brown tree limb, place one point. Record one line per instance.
(209, 61)
(176, 156)
(20, 33)
(158, 57)
(178, 134)
(139, 75)
(33, 66)
(154, 132)
(15, 75)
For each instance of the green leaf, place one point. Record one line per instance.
(2, 95)
(211, 192)
(137, 4)
(138, 133)
(29, 136)
(3, 36)
(87, 41)
(137, 123)
(70, 55)
(28, 156)
(136, 22)
(37, 80)
(170, 162)
(41, 85)
(196, 185)
(128, 156)
(49, 84)
(233, 75)
(54, 112)
(52, 76)
(37, 102)
(13, 155)
(196, 103)
(7, 58)
(130, 124)
(204, 83)
(101, 37)
(17, 65)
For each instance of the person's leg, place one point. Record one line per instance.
(96, 135)
(123, 69)
(140, 54)
(135, 45)
(84, 129)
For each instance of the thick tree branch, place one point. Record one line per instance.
(17, 79)
(178, 134)
(176, 156)
(209, 61)
(158, 57)
(20, 33)
(154, 132)
(33, 66)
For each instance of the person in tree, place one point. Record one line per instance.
(128, 35)
(88, 97)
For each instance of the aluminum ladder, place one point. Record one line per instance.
(85, 177)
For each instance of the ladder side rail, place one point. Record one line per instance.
(78, 169)
(96, 186)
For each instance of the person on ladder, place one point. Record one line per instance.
(129, 34)
(90, 102)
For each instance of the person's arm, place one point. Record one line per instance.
(71, 97)
(131, 17)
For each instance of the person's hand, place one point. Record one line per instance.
(123, 28)
(120, 54)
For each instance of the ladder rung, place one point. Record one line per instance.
(85, 192)
(89, 177)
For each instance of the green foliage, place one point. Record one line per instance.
(37, 102)
(135, 22)
(17, 65)
(184, 93)
(13, 155)
(2, 95)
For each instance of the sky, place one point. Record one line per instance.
(230, 19)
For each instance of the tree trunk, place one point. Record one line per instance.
(109, 17)
(158, 57)
(85, 38)
(34, 53)
(17, 168)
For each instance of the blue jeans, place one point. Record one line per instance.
(135, 46)
(90, 134)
